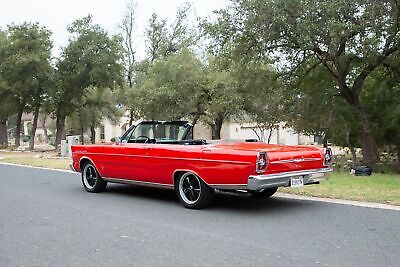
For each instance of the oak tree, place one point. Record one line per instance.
(350, 39)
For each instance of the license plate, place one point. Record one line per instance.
(296, 182)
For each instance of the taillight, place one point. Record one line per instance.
(328, 156)
(262, 162)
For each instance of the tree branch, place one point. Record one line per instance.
(359, 81)
(325, 63)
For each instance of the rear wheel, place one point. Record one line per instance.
(265, 193)
(192, 192)
(91, 179)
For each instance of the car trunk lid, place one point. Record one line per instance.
(282, 158)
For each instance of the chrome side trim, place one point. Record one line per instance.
(258, 182)
(294, 160)
(229, 186)
(171, 158)
(140, 183)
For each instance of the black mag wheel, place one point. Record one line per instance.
(91, 179)
(265, 193)
(192, 192)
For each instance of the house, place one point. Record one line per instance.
(42, 129)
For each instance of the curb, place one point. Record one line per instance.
(35, 167)
(340, 201)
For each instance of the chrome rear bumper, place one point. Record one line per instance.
(259, 182)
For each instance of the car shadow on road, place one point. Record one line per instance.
(142, 192)
(247, 204)
(240, 202)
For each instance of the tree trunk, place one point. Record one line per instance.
(259, 136)
(82, 141)
(398, 157)
(60, 131)
(270, 135)
(369, 148)
(196, 119)
(92, 135)
(216, 130)
(46, 138)
(368, 144)
(325, 142)
(353, 157)
(34, 127)
(130, 117)
(3, 133)
(18, 128)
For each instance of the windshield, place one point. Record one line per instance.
(159, 131)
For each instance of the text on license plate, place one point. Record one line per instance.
(296, 182)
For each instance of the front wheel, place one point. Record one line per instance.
(265, 193)
(192, 192)
(91, 179)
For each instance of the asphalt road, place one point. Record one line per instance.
(47, 219)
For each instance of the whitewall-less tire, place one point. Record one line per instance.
(192, 192)
(91, 179)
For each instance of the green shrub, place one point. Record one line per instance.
(26, 138)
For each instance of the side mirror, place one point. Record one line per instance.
(117, 140)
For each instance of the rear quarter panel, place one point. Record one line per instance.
(227, 166)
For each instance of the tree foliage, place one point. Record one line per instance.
(163, 40)
(224, 99)
(350, 39)
(99, 104)
(91, 59)
(171, 88)
(25, 67)
(7, 100)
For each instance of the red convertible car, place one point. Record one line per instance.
(164, 154)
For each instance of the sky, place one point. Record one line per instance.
(56, 15)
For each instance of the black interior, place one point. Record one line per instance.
(184, 142)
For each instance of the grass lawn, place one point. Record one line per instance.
(62, 164)
(380, 188)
